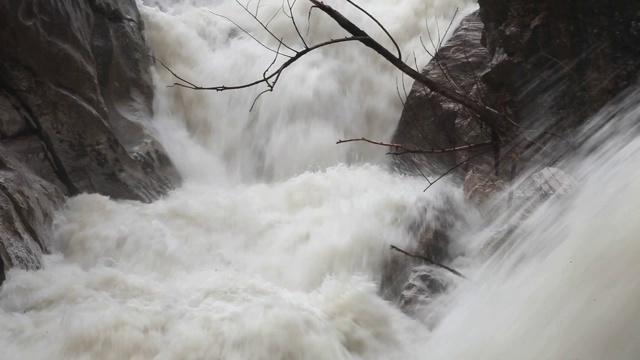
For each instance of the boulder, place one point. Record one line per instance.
(75, 115)
(425, 283)
(76, 74)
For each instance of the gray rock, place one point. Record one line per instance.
(11, 122)
(424, 285)
(27, 206)
(79, 73)
(75, 111)
(432, 231)
(556, 63)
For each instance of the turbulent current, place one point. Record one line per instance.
(274, 247)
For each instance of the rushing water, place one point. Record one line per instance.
(274, 247)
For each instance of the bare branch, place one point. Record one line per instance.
(274, 15)
(249, 34)
(487, 115)
(274, 75)
(172, 72)
(426, 259)
(401, 149)
(246, 9)
(293, 20)
(380, 25)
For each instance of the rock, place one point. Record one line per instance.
(431, 233)
(544, 184)
(524, 199)
(555, 63)
(75, 110)
(480, 188)
(78, 74)
(11, 123)
(27, 206)
(546, 65)
(431, 121)
(424, 285)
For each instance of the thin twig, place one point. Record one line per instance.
(426, 259)
(380, 25)
(246, 9)
(248, 34)
(455, 167)
(293, 20)
(405, 150)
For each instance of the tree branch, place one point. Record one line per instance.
(486, 114)
(401, 149)
(453, 271)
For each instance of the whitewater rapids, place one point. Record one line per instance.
(274, 246)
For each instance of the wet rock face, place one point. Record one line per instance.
(431, 121)
(546, 65)
(76, 76)
(567, 58)
(27, 206)
(75, 111)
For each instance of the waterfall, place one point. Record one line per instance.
(274, 246)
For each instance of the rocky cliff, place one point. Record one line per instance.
(546, 66)
(75, 106)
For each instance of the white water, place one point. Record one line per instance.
(274, 247)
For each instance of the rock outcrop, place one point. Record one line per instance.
(75, 102)
(432, 121)
(555, 63)
(546, 66)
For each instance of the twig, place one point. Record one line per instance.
(453, 271)
(405, 150)
(487, 115)
(431, 183)
(380, 25)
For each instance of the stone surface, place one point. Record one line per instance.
(431, 233)
(27, 206)
(431, 121)
(75, 112)
(555, 63)
(78, 73)
(545, 65)
(480, 188)
(425, 283)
